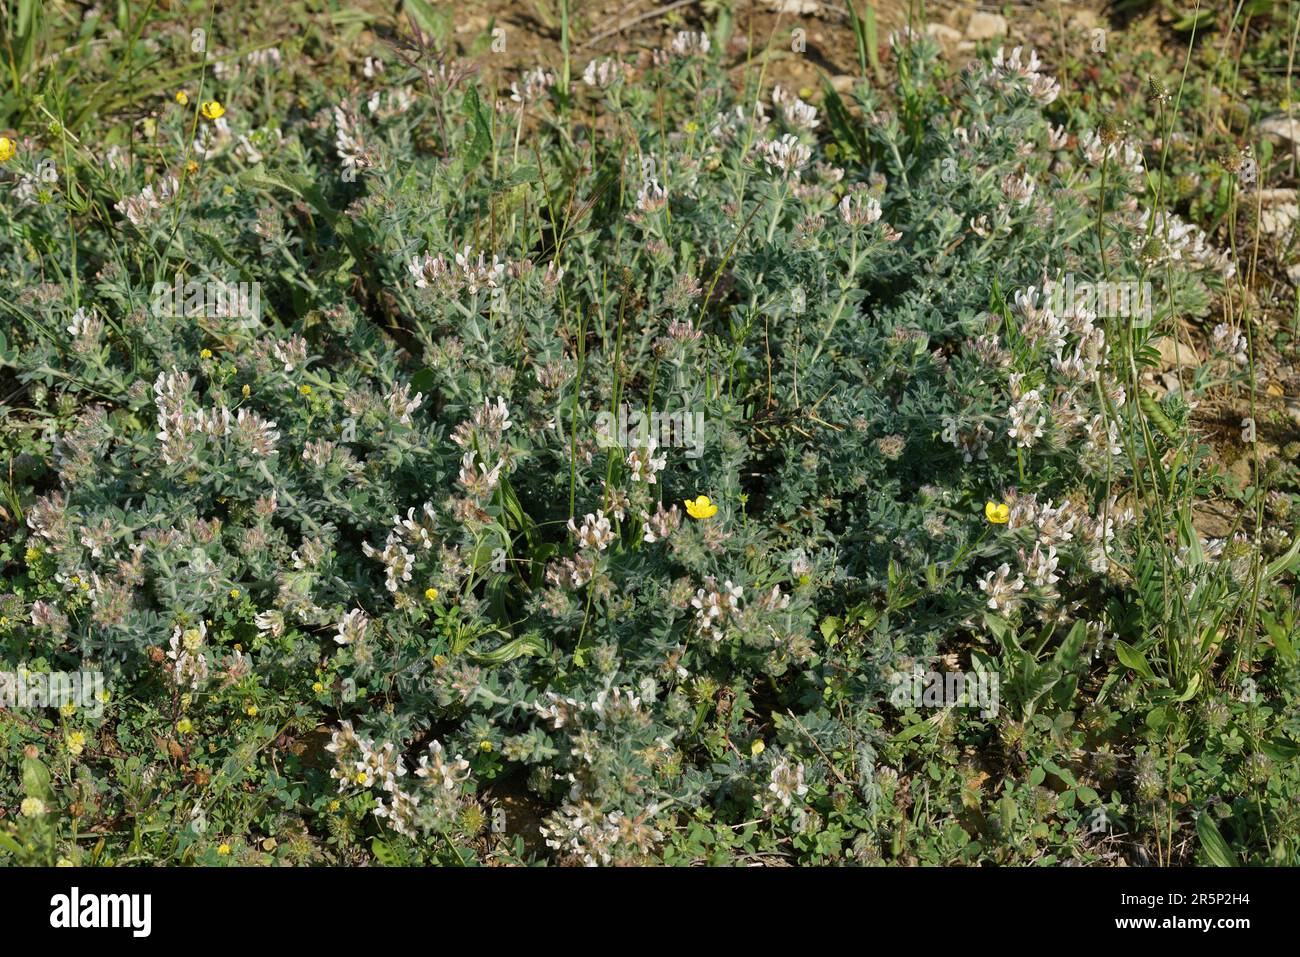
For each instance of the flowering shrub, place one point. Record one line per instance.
(372, 524)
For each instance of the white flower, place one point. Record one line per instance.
(531, 86)
(594, 532)
(786, 156)
(687, 43)
(644, 464)
(352, 627)
(1001, 588)
(602, 73)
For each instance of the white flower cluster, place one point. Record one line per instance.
(189, 664)
(464, 272)
(594, 532)
(178, 428)
(581, 831)
(531, 86)
(1017, 67)
(358, 763)
(715, 607)
(141, 208)
(785, 156)
(603, 73)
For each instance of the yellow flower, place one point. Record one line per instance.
(701, 507)
(485, 746)
(757, 747)
(251, 711)
(7, 149)
(205, 354)
(335, 805)
(184, 726)
(362, 777)
(64, 862)
(234, 593)
(191, 167)
(431, 594)
(223, 849)
(246, 392)
(305, 389)
(212, 110)
(68, 710)
(76, 742)
(182, 98)
(317, 687)
(997, 512)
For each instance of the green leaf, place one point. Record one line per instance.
(1212, 842)
(1134, 659)
(36, 779)
(479, 144)
(529, 644)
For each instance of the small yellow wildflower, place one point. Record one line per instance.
(317, 687)
(32, 807)
(68, 710)
(246, 392)
(182, 98)
(485, 746)
(305, 389)
(701, 507)
(223, 849)
(334, 806)
(362, 777)
(184, 726)
(999, 513)
(64, 862)
(76, 743)
(757, 747)
(212, 110)
(192, 166)
(205, 354)
(7, 149)
(251, 711)
(431, 594)
(234, 593)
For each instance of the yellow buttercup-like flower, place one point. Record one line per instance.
(701, 507)
(7, 149)
(997, 512)
(431, 594)
(182, 98)
(212, 110)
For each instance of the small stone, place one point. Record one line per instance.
(1281, 127)
(1278, 211)
(986, 26)
(1174, 354)
(946, 35)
